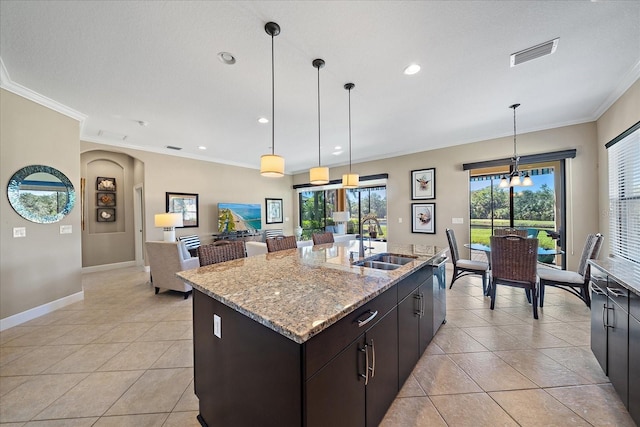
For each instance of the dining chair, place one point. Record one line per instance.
(464, 267)
(320, 238)
(514, 262)
(214, 253)
(510, 232)
(574, 282)
(281, 243)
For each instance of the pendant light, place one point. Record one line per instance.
(514, 176)
(350, 180)
(319, 175)
(272, 165)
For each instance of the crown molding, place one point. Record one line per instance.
(7, 84)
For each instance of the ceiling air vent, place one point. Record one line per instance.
(546, 48)
(107, 134)
(171, 147)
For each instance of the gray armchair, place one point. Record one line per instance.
(165, 260)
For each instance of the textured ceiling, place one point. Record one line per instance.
(119, 63)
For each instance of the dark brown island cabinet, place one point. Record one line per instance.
(615, 327)
(346, 375)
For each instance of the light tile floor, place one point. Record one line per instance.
(124, 357)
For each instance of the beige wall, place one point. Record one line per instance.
(623, 114)
(45, 265)
(452, 183)
(213, 182)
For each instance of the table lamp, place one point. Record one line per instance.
(340, 217)
(169, 221)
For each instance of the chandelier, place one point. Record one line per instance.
(514, 176)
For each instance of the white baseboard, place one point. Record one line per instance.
(32, 313)
(107, 267)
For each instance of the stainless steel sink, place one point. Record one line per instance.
(395, 259)
(377, 265)
(384, 261)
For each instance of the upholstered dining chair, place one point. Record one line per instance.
(280, 243)
(214, 253)
(165, 260)
(320, 238)
(514, 262)
(463, 267)
(510, 232)
(574, 282)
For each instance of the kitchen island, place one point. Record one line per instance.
(303, 337)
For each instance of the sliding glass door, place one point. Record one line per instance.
(537, 208)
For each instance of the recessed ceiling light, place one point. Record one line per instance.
(411, 69)
(337, 147)
(202, 147)
(263, 120)
(226, 58)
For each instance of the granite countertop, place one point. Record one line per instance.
(300, 292)
(624, 272)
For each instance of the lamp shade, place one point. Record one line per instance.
(350, 180)
(319, 175)
(272, 166)
(167, 220)
(341, 216)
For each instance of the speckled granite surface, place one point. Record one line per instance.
(625, 272)
(300, 292)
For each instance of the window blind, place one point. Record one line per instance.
(624, 195)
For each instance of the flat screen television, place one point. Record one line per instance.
(238, 217)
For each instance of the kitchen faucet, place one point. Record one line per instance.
(366, 219)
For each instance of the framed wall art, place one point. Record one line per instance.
(106, 215)
(105, 199)
(423, 218)
(187, 205)
(273, 209)
(423, 184)
(105, 184)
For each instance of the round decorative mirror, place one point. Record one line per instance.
(41, 194)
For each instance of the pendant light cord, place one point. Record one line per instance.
(273, 102)
(319, 163)
(349, 131)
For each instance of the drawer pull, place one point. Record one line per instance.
(596, 289)
(361, 323)
(616, 292)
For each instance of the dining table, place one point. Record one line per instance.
(542, 252)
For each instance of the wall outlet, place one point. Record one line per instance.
(217, 326)
(457, 221)
(399, 220)
(66, 229)
(19, 232)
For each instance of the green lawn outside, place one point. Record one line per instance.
(481, 231)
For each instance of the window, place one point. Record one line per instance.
(317, 207)
(624, 194)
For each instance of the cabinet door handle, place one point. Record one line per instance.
(604, 323)
(365, 350)
(421, 304)
(373, 359)
(416, 310)
(361, 323)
